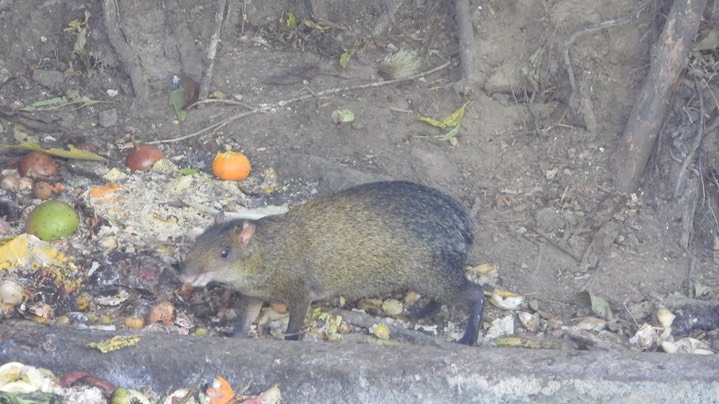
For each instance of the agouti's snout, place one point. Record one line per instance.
(364, 241)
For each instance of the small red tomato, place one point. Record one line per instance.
(142, 157)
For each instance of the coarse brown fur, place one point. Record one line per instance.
(364, 241)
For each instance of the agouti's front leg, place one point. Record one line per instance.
(298, 312)
(250, 308)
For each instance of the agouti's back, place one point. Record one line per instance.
(363, 241)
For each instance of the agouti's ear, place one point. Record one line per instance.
(243, 234)
(219, 217)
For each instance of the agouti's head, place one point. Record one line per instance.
(218, 254)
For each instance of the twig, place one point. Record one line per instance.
(365, 320)
(573, 103)
(713, 124)
(220, 15)
(244, 16)
(219, 101)
(38, 124)
(695, 145)
(551, 242)
(263, 108)
(383, 21)
(237, 14)
(214, 127)
(465, 34)
(359, 87)
(690, 272)
(688, 203)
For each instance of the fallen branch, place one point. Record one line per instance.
(551, 242)
(283, 103)
(364, 320)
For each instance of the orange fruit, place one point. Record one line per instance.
(231, 166)
(220, 391)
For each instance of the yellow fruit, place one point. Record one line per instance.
(231, 166)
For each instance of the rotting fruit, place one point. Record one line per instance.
(231, 166)
(52, 220)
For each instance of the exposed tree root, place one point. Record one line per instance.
(668, 59)
(129, 58)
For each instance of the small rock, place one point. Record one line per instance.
(549, 220)
(48, 78)
(11, 292)
(503, 80)
(501, 326)
(531, 322)
(108, 118)
(434, 165)
(4, 75)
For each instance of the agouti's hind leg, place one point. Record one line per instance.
(475, 297)
(429, 310)
(298, 312)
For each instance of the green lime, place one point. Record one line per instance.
(52, 220)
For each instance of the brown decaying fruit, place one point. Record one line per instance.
(25, 184)
(10, 183)
(142, 157)
(42, 190)
(37, 165)
(163, 311)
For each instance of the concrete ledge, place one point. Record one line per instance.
(336, 372)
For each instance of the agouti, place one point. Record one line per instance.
(364, 241)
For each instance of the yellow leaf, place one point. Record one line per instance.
(345, 57)
(71, 98)
(313, 25)
(74, 25)
(517, 342)
(380, 331)
(451, 120)
(115, 343)
(506, 302)
(291, 20)
(70, 152)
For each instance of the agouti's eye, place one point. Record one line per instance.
(225, 253)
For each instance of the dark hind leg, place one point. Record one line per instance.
(475, 297)
(429, 310)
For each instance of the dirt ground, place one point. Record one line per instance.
(532, 170)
